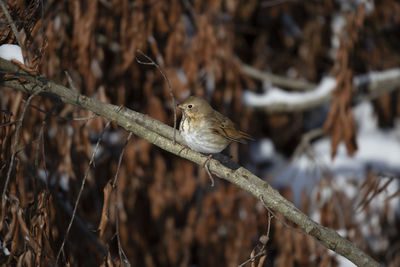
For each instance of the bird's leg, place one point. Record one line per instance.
(183, 148)
(206, 166)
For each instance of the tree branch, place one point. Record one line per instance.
(157, 133)
(278, 80)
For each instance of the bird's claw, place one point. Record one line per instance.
(206, 167)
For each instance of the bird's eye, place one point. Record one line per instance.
(190, 106)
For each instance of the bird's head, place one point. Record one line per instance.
(195, 106)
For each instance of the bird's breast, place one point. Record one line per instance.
(200, 137)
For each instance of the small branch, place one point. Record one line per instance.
(120, 160)
(280, 220)
(305, 142)
(40, 144)
(262, 252)
(12, 24)
(278, 80)
(80, 192)
(121, 253)
(66, 207)
(70, 81)
(152, 63)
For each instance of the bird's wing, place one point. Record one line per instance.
(225, 127)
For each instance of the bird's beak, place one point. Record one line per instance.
(179, 106)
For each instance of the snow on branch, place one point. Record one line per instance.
(276, 99)
(377, 83)
(369, 86)
(10, 51)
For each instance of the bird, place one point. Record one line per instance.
(206, 130)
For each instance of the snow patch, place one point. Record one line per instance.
(10, 51)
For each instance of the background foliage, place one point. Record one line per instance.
(168, 214)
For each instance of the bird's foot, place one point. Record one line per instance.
(206, 166)
(183, 148)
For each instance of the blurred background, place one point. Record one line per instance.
(338, 159)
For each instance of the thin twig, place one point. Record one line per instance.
(279, 219)
(14, 149)
(261, 253)
(80, 191)
(206, 167)
(305, 142)
(269, 224)
(41, 149)
(278, 80)
(263, 240)
(121, 253)
(115, 187)
(152, 63)
(376, 191)
(41, 141)
(70, 81)
(66, 207)
(120, 160)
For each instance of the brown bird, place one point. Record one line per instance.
(206, 130)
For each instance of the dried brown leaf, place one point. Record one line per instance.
(106, 209)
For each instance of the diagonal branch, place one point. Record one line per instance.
(155, 132)
(278, 80)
